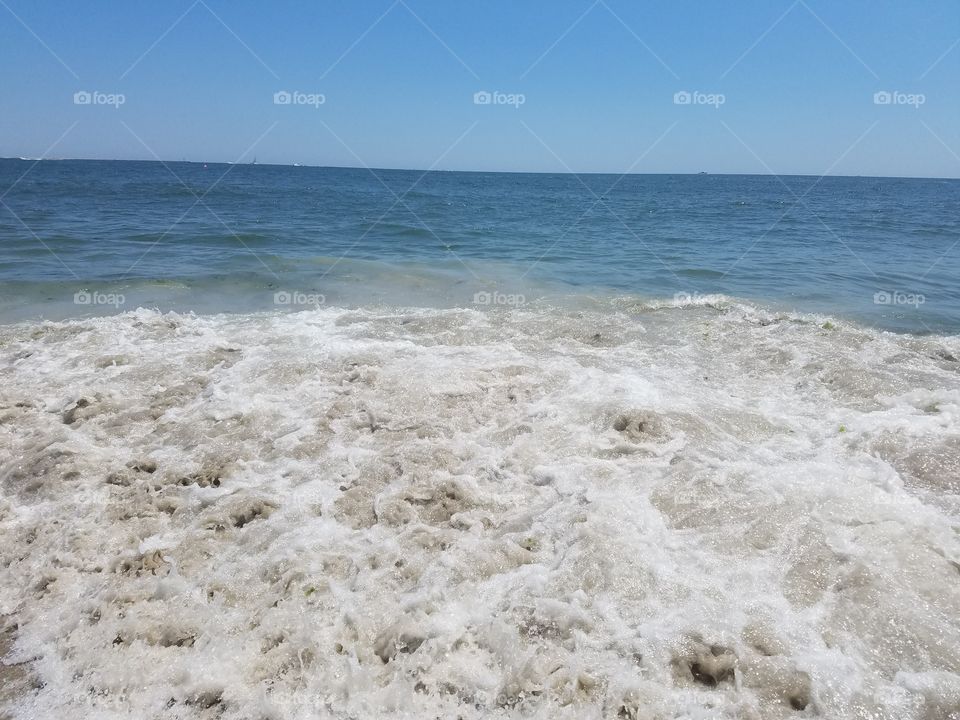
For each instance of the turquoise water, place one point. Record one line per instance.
(77, 237)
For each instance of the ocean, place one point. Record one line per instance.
(192, 236)
(291, 442)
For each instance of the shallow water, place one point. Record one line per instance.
(606, 509)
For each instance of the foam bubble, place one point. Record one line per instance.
(697, 510)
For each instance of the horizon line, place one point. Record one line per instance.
(485, 172)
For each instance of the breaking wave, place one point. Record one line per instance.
(644, 510)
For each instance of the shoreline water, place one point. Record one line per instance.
(539, 511)
(391, 287)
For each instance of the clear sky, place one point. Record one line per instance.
(785, 86)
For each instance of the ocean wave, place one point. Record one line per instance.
(683, 509)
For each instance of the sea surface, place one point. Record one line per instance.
(214, 237)
(285, 442)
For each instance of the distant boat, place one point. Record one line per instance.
(296, 164)
(254, 162)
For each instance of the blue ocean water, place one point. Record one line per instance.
(76, 236)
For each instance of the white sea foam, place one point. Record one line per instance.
(696, 510)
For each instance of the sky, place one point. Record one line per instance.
(661, 86)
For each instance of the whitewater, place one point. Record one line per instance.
(627, 509)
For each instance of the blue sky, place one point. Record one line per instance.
(775, 86)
